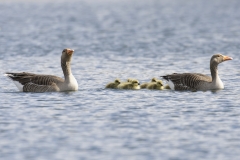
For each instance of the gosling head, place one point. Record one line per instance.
(154, 80)
(130, 79)
(159, 83)
(135, 82)
(117, 81)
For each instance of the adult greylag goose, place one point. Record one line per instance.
(30, 82)
(134, 84)
(113, 85)
(197, 81)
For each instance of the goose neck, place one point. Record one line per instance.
(66, 67)
(214, 71)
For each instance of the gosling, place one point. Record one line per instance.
(134, 84)
(155, 85)
(144, 85)
(113, 85)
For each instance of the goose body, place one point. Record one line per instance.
(134, 84)
(197, 81)
(113, 85)
(30, 82)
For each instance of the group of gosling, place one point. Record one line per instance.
(134, 84)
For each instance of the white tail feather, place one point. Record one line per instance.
(171, 85)
(19, 85)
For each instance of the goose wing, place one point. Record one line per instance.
(187, 81)
(29, 82)
(32, 87)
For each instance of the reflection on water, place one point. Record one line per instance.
(116, 39)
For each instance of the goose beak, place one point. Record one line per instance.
(70, 52)
(226, 58)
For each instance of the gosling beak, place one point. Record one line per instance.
(70, 52)
(226, 58)
(138, 83)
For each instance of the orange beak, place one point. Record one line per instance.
(70, 52)
(226, 58)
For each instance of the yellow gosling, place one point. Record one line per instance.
(144, 85)
(155, 85)
(134, 84)
(113, 85)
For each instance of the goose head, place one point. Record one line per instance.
(219, 58)
(67, 54)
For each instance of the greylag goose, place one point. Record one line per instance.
(29, 82)
(155, 85)
(197, 81)
(114, 84)
(134, 84)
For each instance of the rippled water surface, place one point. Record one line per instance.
(120, 39)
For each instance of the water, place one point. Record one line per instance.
(120, 39)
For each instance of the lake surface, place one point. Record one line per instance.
(120, 39)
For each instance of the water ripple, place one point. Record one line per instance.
(119, 39)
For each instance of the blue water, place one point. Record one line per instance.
(120, 39)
